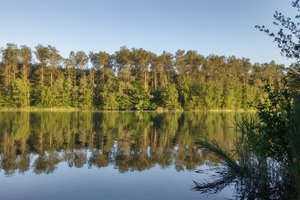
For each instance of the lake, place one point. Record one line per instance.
(109, 155)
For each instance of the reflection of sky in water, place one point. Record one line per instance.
(108, 156)
(104, 183)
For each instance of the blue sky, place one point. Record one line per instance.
(222, 27)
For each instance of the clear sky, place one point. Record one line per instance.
(222, 27)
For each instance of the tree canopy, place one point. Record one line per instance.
(130, 79)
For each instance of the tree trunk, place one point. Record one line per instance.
(42, 76)
(24, 72)
(155, 80)
(51, 79)
(145, 82)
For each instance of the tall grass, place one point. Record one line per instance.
(265, 163)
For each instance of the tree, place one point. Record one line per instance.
(288, 40)
(71, 85)
(190, 78)
(42, 54)
(85, 96)
(10, 61)
(104, 80)
(141, 64)
(25, 61)
(54, 63)
(49, 60)
(18, 93)
(124, 66)
(136, 79)
(288, 36)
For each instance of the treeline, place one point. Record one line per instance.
(130, 79)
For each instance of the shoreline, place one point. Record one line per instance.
(35, 109)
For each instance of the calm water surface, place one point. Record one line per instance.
(117, 155)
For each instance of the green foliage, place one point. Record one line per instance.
(167, 97)
(228, 97)
(70, 136)
(265, 161)
(273, 131)
(141, 100)
(109, 100)
(66, 92)
(268, 153)
(124, 102)
(85, 94)
(108, 97)
(132, 79)
(18, 93)
(47, 97)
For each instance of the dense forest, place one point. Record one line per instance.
(130, 79)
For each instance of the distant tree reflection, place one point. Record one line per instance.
(129, 141)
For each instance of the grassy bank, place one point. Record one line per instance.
(72, 109)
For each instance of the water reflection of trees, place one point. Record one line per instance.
(129, 141)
